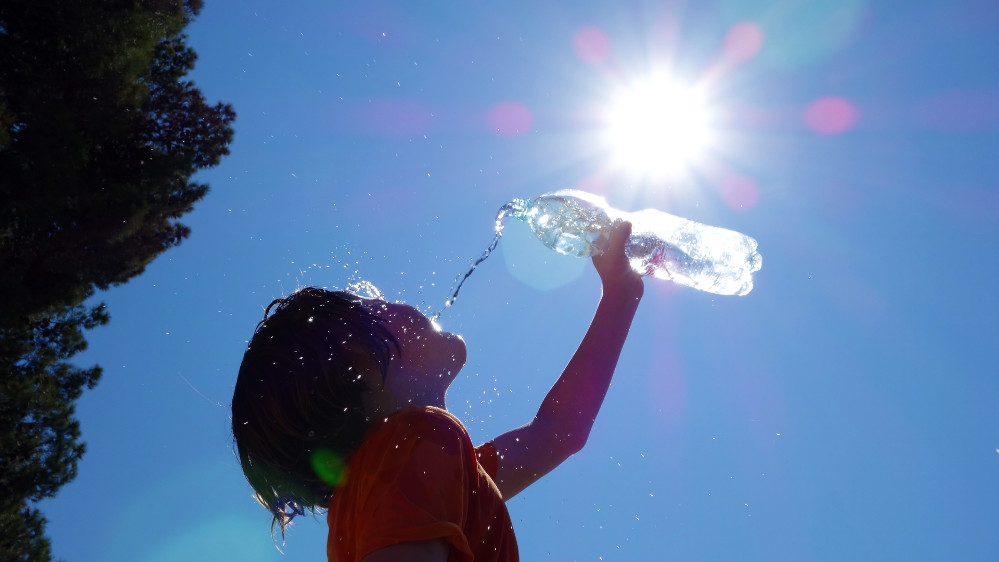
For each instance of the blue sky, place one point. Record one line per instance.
(846, 409)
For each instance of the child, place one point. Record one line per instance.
(339, 404)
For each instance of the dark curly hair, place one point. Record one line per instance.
(297, 412)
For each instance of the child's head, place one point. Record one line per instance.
(297, 409)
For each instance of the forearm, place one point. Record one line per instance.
(571, 405)
(563, 422)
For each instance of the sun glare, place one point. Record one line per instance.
(657, 128)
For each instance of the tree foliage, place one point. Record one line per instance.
(100, 135)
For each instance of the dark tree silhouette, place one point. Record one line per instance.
(100, 134)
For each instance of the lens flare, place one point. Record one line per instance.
(328, 466)
(831, 115)
(740, 192)
(591, 44)
(510, 119)
(743, 41)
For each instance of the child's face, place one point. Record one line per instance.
(429, 358)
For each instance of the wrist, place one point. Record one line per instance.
(624, 289)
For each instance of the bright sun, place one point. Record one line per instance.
(657, 128)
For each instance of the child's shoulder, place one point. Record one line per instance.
(420, 431)
(423, 419)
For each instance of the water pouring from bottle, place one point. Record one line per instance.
(664, 246)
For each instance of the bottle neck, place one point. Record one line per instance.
(517, 208)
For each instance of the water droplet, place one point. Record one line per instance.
(365, 290)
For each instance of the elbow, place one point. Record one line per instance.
(571, 442)
(563, 439)
(574, 447)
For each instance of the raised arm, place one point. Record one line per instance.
(566, 415)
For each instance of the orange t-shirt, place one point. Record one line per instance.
(417, 477)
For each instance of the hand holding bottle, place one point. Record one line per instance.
(616, 272)
(662, 245)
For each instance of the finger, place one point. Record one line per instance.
(622, 232)
(624, 229)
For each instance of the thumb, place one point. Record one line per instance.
(619, 236)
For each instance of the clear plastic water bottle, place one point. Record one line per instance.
(662, 245)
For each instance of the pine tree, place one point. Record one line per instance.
(100, 134)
